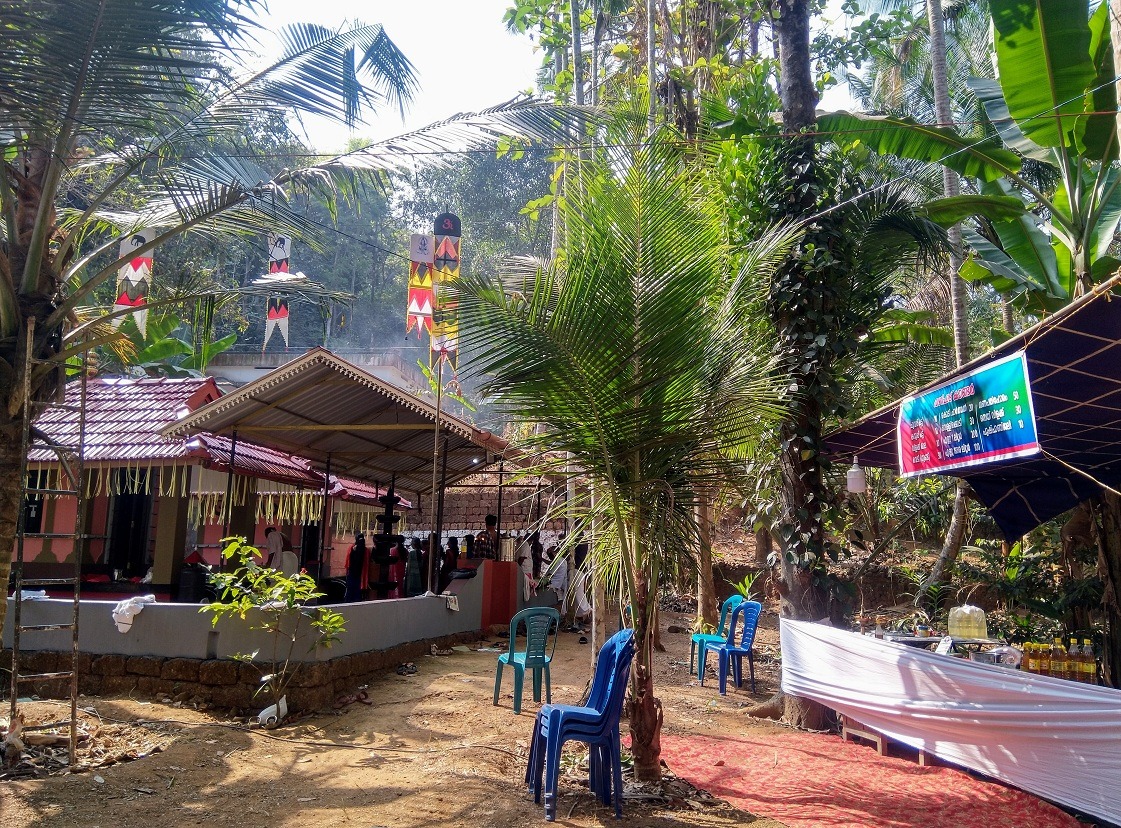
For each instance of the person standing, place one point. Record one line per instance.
(357, 569)
(281, 557)
(486, 542)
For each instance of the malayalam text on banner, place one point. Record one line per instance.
(982, 417)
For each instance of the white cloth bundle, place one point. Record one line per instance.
(127, 610)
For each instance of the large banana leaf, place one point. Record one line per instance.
(1107, 216)
(906, 138)
(1032, 284)
(1045, 69)
(1099, 139)
(899, 326)
(954, 209)
(991, 97)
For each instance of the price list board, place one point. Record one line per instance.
(983, 417)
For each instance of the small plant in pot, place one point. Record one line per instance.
(278, 605)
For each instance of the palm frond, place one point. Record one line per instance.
(524, 119)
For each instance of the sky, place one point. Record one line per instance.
(465, 59)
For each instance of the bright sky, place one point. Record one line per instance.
(465, 59)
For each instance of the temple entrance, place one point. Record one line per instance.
(130, 520)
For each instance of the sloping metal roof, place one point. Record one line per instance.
(124, 418)
(1074, 362)
(324, 408)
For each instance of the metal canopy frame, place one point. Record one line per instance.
(1074, 362)
(329, 411)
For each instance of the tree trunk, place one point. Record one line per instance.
(1109, 569)
(764, 543)
(11, 490)
(801, 527)
(707, 613)
(645, 709)
(577, 54)
(951, 546)
(1007, 317)
(951, 186)
(1115, 39)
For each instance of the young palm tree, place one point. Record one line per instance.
(632, 349)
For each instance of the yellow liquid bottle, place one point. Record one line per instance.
(1058, 659)
(1043, 658)
(1089, 663)
(1074, 662)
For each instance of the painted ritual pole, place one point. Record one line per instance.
(433, 538)
(229, 510)
(324, 556)
(444, 346)
(498, 513)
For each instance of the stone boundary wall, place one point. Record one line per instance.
(219, 682)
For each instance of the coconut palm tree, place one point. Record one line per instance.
(633, 350)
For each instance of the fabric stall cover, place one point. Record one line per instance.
(1057, 739)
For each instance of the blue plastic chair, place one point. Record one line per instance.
(721, 633)
(746, 615)
(597, 725)
(541, 625)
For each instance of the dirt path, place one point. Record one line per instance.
(430, 751)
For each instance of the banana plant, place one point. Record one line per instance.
(1051, 103)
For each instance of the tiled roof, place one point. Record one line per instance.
(264, 462)
(255, 461)
(124, 418)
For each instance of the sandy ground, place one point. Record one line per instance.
(432, 750)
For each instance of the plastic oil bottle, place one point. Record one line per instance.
(1089, 662)
(1058, 658)
(1031, 658)
(1043, 658)
(1075, 671)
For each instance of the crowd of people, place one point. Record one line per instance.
(398, 568)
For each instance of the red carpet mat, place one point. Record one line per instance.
(818, 781)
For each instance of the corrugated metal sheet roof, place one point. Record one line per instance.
(323, 408)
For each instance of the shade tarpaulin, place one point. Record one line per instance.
(1054, 738)
(1074, 363)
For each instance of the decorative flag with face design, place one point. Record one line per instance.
(134, 279)
(418, 313)
(280, 250)
(276, 312)
(445, 317)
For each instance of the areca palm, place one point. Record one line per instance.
(631, 347)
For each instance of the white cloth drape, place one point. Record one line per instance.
(126, 611)
(1058, 739)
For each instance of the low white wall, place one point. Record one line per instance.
(181, 631)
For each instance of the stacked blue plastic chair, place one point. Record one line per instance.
(541, 624)
(730, 651)
(721, 633)
(596, 724)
